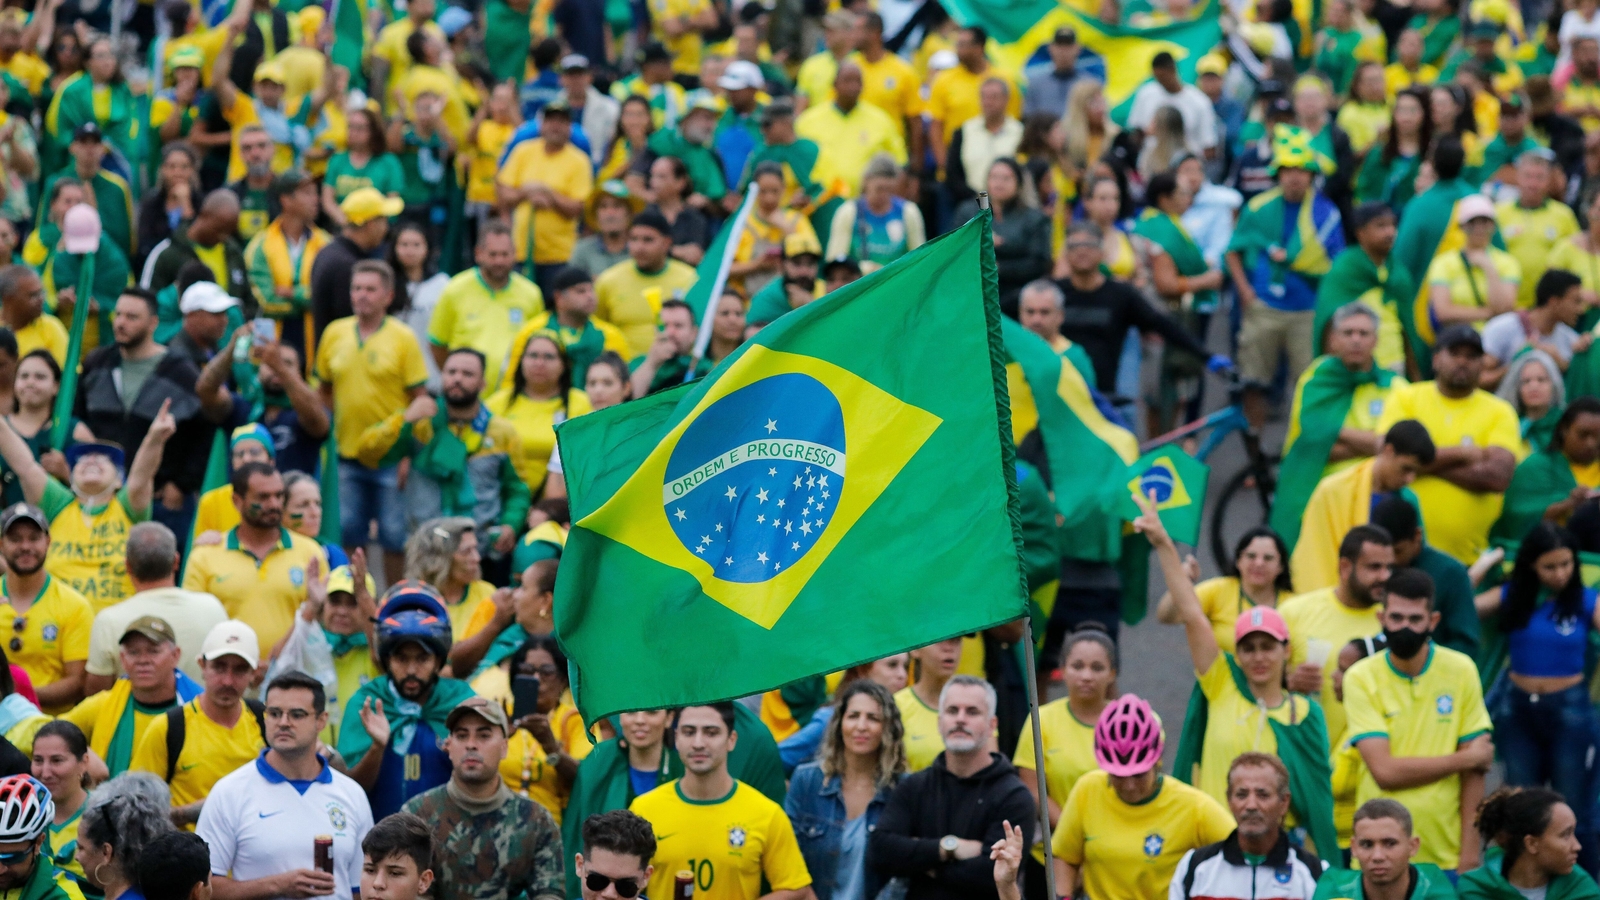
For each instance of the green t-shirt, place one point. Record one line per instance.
(422, 166)
(672, 371)
(705, 169)
(505, 40)
(255, 210)
(381, 172)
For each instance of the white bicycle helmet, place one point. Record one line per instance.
(26, 809)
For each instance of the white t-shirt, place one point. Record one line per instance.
(258, 824)
(1504, 335)
(1199, 117)
(191, 614)
(1574, 26)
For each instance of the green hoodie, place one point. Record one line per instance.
(1345, 884)
(1487, 883)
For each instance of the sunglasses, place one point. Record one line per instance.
(18, 625)
(11, 859)
(594, 881)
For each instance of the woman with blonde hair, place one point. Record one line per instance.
(1164, 143)
(836, 801)
(444, 553)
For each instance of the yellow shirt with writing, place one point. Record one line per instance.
(87, 547)
(730, 845)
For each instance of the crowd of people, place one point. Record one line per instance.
(349, 267)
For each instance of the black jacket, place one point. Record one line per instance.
(1100, 319)
(330, 281)
(930, 804)
(180, 249)
(99, 405)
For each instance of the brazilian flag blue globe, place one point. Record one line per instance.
(838, 489)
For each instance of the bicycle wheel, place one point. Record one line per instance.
(1244, 503)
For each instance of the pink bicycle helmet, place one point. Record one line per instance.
(1127, 739)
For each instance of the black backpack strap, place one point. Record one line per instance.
(177, 729)
(259, 710)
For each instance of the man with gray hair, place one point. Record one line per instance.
(1041, 308)
(940, 822)
(152, 561)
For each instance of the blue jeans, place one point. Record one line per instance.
(1550, 739)
(366, 494)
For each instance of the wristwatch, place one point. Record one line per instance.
(947, 847)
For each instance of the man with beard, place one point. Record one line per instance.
(1417, 717)
(1257, 860)
(51, 621)
(214, 733)
(209, 239)
(484, 306)
(463, 460)
(1478, 436)
(261, 570)
(1334, 616)
(940, 822)
(723, 830)
(487, 841)
(28, 811)
(260, 820)
(393, 726)
(258, 202)
(690, 141)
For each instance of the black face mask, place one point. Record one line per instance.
(1405, 643)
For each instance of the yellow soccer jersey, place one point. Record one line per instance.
(371, 378)
(54, 631)
(631, 299)
(1222, 600)
(729, 844)
(923, 741)
(210, 751)
(264, 593)
(1530, 236)
(1366, 407)
(1068, 752)
(1236, 726)
(1457, 520)
(1319, 616)
(87, 546)
(1429, 715)
(1129, 852)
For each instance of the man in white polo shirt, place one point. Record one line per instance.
(261, 821)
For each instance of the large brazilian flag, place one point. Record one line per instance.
(839, 489)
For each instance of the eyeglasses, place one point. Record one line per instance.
(11, 859)
(296, 715)
(18, 625)
(626, 887)
(546, 671)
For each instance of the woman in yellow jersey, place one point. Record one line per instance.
(835, 802)
(1089, 669)
(543, 753)
(119, 820)
(1580, 255)
(539, 398)
(346, 619)
(634, 126)
(1259, 576)
(37, 385)
(443, 552)
(1124, 828)
(1477, 282)
(1534, 386)
(1365, 116)
(61, 763)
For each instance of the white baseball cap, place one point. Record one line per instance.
(207, 296)
(740, 75)
(232, 638)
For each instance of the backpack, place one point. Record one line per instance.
(177, 731)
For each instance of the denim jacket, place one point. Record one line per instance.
(816, 808)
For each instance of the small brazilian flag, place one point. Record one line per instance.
(838, 489)
(1179, 483)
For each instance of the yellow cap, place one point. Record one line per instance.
(342, 579)
(310, 22)
(800, 243)
(271, 70)
(1211, 64)
(365, 204)
(186, 58)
